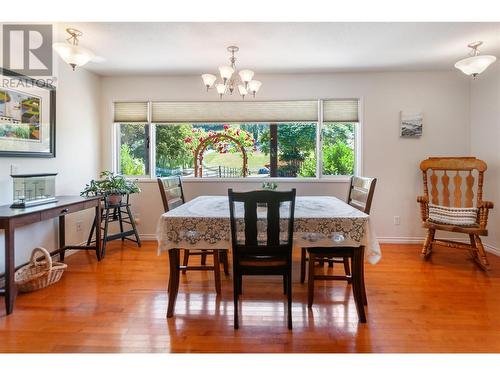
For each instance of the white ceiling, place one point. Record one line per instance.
(195, 48)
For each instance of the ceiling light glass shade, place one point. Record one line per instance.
(73, 55)
(221, 89)
(243, 91)
(475, 65)
(254, 86)
(246, 75)
(226, 71)
(208, 79)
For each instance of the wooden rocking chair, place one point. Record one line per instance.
(445, 213)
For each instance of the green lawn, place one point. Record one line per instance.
(256, 160)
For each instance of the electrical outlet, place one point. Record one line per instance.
(137, 219)
(397, 220)
(79, 226)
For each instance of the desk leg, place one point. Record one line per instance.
(62, 237)
(173, 283)
(10, 286)
(98, 232)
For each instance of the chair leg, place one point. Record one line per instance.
(310, 280)
(363, 287)
(236, 292)
(217, 272)
(225, 261)
(203, 257)
(347, 269)
(285, 283)
(289, 295)
(330, 263)
(185, 260)
(240, 284)
(303, 265)
(427, 249)
(357, 283)
(482, 260)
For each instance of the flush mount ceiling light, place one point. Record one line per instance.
(71, 52)
(230, 79)
(476, 63)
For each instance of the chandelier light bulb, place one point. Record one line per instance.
(243, 91)
(254, 86)
(476, 63)
(221, 89)
(226, 72)
(208, 80)
(246, 76)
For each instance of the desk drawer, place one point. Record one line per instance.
(60, 211)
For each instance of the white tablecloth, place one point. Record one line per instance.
(320, 221)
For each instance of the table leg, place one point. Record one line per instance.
(62, 237)
(10, 286)
(98, 232)
(173, 255)
(357, 283)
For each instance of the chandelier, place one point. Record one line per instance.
(475, 64)
(231, 80)
(71, 52)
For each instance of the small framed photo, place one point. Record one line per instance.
(27, 116)
(411, 124)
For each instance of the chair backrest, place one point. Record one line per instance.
(171, 192)
(361, 192)
(467, 174)
(266, 226)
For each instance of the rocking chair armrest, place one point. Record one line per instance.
(486, 205)
(484, 208)
(422, 199)
(424, 206)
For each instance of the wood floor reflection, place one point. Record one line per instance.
(119, 305)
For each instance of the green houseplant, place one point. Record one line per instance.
(111, 186)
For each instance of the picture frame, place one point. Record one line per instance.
(411, 124)
(27, 116)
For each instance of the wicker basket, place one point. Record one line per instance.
(37, 275)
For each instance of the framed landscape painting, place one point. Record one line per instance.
(411, 124)
(27, 116)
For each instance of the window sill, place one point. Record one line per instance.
(249, 180)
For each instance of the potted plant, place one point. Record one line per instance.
(111, 186)
(269, 186)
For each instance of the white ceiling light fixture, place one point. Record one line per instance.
(71, 52)
(230, 79)
(476, 63)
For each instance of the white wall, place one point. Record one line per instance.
(485, 140)
(443, 97)
(77, 161)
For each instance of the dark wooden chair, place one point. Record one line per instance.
(360, 196)
(267, 251)
(172, 195)
(447, 210)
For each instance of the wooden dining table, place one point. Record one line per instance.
(203, 223)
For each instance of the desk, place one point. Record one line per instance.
(203, 223)
(12, 218)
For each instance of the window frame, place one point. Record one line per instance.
(320, 177)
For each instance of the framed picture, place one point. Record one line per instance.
(411, 124)
(27, 116)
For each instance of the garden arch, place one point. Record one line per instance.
(213, 139)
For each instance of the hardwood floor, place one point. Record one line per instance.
(119, 305)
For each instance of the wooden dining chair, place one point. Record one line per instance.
(360, 196)
(262, 240)
(451, 207)
(361, 190)
(172, 195)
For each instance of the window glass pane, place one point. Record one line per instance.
(133, 158)
(338, 148)
(297, 150)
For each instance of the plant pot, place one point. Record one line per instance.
(114, 199)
